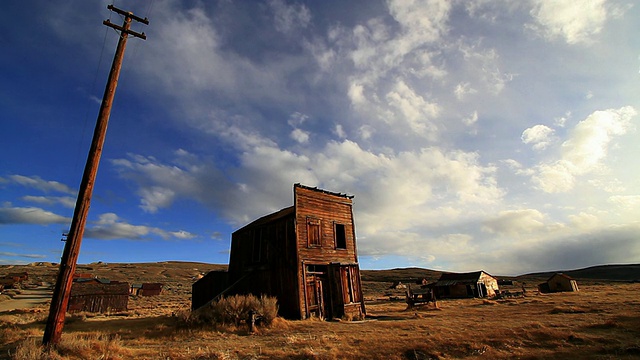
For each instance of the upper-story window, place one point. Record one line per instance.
(340, 234)
(313, 232)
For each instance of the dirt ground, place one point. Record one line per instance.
(27, 298)
(600, 322)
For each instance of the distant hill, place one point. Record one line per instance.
(600, 272)
(406, 275)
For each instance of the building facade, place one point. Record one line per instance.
(305, 255)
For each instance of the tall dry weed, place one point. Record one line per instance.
(92, 346)
(32, 349)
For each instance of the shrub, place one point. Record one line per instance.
(235, 309)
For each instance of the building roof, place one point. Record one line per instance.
(561, 275)
(448, 279)
(271, 217)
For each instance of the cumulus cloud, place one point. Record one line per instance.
(575, 22)
(110, 227)
(540, 136)
(585, 149)
(30, 215)
(515, 222)
(412, 107)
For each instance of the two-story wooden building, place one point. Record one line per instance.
(305, 255)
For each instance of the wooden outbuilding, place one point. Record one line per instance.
(463, 285)
(559, 282)
(18, 276)
(98, 296)
(7, 283)
(305, 255)
(151, 289)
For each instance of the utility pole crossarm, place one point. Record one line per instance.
(122, 29)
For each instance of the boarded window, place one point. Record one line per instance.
(313, 231)
(341, 236)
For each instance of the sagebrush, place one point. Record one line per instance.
(235, 310)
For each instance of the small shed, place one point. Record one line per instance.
(98, 296)
(462, 285)
(7, 283)
(19, 276)
(560, 282)
(150, 289)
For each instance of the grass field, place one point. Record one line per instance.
(602, 321)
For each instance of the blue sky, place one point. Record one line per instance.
(497, 135)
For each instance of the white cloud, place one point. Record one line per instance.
(31, 256)
(585, 149)
(463, 89)
(412, 107)
(38, 183)
(339, 131)
(65, 201)
(300, 136)
(573, 21)
(30, 215)
(471, 119)
(110, 227)
(515, 222)
(625, 201)
(539, 135)
(287, 19)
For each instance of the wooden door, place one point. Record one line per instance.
(316, 296)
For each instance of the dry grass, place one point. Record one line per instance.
(599, 322)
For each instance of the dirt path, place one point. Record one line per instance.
(27, 299)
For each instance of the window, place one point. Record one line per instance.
(313, 232)
(340, 236)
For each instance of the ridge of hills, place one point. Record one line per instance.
(181, 270)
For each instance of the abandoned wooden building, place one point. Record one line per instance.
(461, 285)
(98, 296)
(305, 255)
(558, 282)
(146, 289)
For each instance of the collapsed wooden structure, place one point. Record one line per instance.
(559, 282)
(305, 255)
(462, 285)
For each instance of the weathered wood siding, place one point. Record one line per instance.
(151, 289)
(327, 210)
(99, 298)
(324, 209)
(490, 283)
(561, 282)
(263, 261)
(209, 286)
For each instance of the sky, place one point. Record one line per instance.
(492, 135)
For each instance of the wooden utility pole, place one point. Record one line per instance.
(60, 300)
